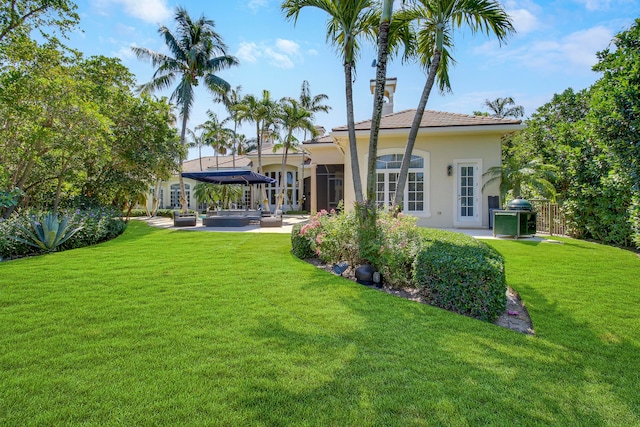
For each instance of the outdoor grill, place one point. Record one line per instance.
(517, 220)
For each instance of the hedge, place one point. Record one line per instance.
(460, 274)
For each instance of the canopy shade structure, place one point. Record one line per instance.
(237, 176)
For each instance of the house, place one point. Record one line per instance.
(446, 184)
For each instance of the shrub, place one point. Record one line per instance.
(461, 274)
(401, 242)
(332, 236)
(300, 245)
(98, 225)
(46, 232)
(167, 213)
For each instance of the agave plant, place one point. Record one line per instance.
(47, 232)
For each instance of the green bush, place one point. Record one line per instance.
(300, 246)
(98, 225)
(461, 274)
(167, 213)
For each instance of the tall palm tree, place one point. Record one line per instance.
(263, 112)
(197, 53)
(216, 135)
(197, 141)
(232, 100)
(293, 117)
(348, 22)
(504, 107)
(437, 20)
(313, 104)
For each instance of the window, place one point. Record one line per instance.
(290, 188)
(388, 170)
(175, 195)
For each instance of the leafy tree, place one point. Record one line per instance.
(20, 16)
(348, 22)
(437, 20)
(615, 118)
(197, 54)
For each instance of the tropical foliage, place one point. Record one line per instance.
(71, 126)
(347, 24)
(197, 53)
(80, 227)
(590, 138)
(436, 21)
(501, 108)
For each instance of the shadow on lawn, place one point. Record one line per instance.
(412, 362)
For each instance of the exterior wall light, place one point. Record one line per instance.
(449, 170)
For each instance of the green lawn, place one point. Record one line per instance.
(166, 327)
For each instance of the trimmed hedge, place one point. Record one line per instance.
(460, 274)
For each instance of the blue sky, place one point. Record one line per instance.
(554, 48)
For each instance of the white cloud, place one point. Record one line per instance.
(152, 11)
(594, 5)
(288, 46)
(283, 54)
(248, 52)
(254, 5)
(524, 21)
(575, 52)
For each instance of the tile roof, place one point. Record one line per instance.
(209, 162)
(431, 119)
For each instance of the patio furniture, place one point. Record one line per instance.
(225, 221)
(183, 220)
(271, 221)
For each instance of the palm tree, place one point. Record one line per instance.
(232, 100)
(213, 193)
(528, 179)
(197, 52)
(313, 104)
(348, 22)
(293, 117)
(215, 135)
(436, 20)
(263, 113)
(500, 107)
(197, 141)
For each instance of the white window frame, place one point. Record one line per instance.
(426, 190)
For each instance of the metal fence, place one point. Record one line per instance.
(550, 218)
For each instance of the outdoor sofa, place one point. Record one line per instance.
(184, 220)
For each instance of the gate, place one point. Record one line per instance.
(550, 218)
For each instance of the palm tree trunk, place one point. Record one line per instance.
(283, 177)
(381, 77)
(183, 194)
(353, 148)
(415, 126)
(235, 143)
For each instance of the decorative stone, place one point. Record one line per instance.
(364, 274)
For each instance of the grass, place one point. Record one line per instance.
(166, 327)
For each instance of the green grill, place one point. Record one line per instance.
(517, 220)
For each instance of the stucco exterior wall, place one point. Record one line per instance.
(439, 150)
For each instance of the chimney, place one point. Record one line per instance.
(321, 131)
(389, 90)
